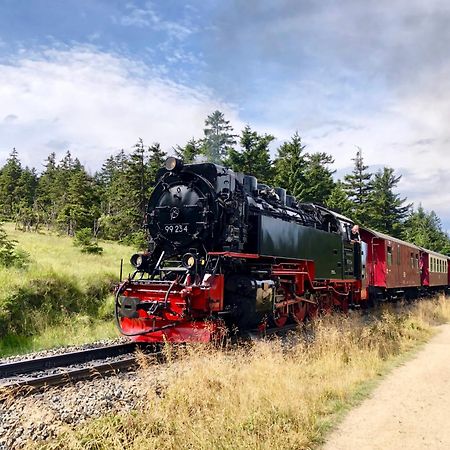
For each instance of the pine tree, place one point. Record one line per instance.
(47, 193)
(189, 152)
(118, 213)
(358, 186)
(25, 192)
(81, 207)
(425, 230)
(219, 137)
(155, 161)
(385, 209)
(137, 172)
(290, 166)
(254, 158)
(339, 202)
(318, 178)
(9, 180)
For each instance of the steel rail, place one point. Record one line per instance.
(34, 384)
(65, 359)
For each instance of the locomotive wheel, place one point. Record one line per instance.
(280, 318)
(299, 311)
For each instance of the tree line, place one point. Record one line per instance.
(112, 201)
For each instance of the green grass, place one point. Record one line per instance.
(52, 253)
(76, 330)
(62, 297)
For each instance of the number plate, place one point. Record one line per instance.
(176, 228)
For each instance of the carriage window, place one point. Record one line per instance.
(389, 256)
(417, 261)
(412, 260)
(398, 255)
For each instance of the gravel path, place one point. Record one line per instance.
(410, 409)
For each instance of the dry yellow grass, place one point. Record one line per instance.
(264, 396)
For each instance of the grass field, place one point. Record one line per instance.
(62, 297)
(265, 396)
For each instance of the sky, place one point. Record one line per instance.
(92, 76)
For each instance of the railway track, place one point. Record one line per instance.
(26, 376)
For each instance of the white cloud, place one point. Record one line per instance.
(410, 134)
(94, 103)
(146, 17)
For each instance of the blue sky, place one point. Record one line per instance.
(94, 75)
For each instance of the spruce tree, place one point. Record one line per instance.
(9, 180)
(385, 209)
(319, 182)
(189, 152)
(358, 186)
(290, 166)
(118, 213)
(81, 207)
(254, 158)
(155, 161)
(219, 137)
(26, 215)
(425, 230)
(339, 202)
(46, 193)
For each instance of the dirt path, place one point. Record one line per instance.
(410, 409)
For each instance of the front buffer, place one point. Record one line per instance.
(178, 310)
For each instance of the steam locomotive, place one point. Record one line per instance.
(227, 252)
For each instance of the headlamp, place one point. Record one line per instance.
(139, 260)
(173, 164)
(188, 261)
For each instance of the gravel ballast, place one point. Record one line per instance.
(43, 415)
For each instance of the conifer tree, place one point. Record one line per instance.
(290, 166)
(189, 152)
(81, 206)
(385, 209)
(9, 180)
(219, 137)
(425, 230)
(339, 202)
(46, 193)
(118, 213)
(155, 161)
(26, 215)
(254, 158)
(358, 186)
(318, 178)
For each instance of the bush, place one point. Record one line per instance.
(85, 240)
(49, 299)
(10, 256)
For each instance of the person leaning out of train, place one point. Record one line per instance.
(354, 234)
